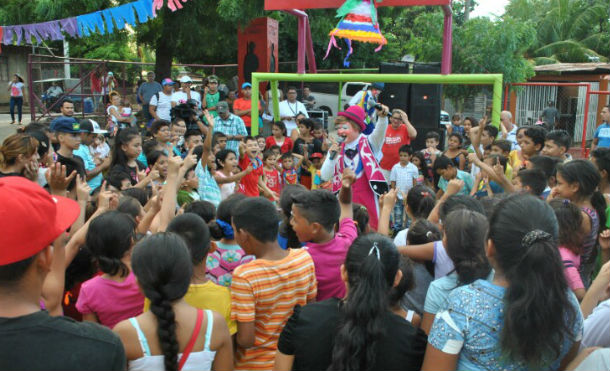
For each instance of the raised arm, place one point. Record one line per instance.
(345, 194)
(377, 137)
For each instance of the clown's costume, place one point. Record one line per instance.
(361, 153)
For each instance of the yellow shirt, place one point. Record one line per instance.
(209, 296)
(515, 159)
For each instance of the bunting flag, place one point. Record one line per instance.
(102, 22)
(358, 23)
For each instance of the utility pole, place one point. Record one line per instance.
(466, 10)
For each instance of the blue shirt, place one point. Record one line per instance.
(83, 152)
(232, 126)
(208, 188)
(462, 175)
(602, 133)
(439, 290)
(472, 324)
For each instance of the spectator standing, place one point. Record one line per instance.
(230, 125)
(506, 119)
(308, 99)
(601, 138)
(399, 133)
(160, 104)
(15, 87)
(550, 116)
(146, 91)
(290, 108)
(213, 96)
(185, 93)
(243, 106)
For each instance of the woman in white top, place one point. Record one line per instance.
(172, 335)
(15, 87)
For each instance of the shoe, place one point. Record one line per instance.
(19, 123)
(13, 122)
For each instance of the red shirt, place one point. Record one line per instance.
(286, 146)
(249, 183)
(394, 139)
(243, 105)
(272, 178)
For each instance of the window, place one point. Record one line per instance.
(353, 89)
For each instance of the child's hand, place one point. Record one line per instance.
(57, 179)
(249, 169)
(388, 199)
(190, 160)
(553, 194)
(173, 165)
(31, 170)
(604, 239)
(107, 200)
(348, 177)
(473, 158)
(209, 118)
(82, 190)
(454, 186)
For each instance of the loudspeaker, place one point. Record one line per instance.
(424, 107)
(395, 95)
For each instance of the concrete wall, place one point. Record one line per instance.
(13, 59)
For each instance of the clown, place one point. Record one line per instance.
(361, 153)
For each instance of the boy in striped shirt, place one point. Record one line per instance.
(265, 291)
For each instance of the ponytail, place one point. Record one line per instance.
(371, 264)
(466, 233)
(527, 254)
(599, 204)
(421, 201)
(162, 264)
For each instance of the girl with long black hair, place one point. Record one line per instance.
(172, 335)
(526, 318)
(577, 181)
(368, 336)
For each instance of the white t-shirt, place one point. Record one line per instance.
(597, 327)
(16, 89)
(291, 109)
(403, 176)
(164, 105)
(180, 97)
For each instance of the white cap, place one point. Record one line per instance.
(110, 73)
(96, 128)
(185, 78)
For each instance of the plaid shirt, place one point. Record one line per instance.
(232, 126)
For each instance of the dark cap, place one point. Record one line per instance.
(222, 107)
(66, 125)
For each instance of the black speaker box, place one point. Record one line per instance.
(395, 95)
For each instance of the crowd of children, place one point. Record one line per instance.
(175, 251)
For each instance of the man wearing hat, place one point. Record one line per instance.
(243, 106)
(230, 125)
(360, 153)
(160, 105)
(367, 99)
(212, 95)
(185, 93)
(91, 129)
(30, 339)
(68, 133)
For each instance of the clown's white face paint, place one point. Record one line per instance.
(348, 131)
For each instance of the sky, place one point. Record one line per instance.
(489, 8)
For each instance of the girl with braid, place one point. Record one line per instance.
(172, 335)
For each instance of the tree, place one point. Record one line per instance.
(566, 30)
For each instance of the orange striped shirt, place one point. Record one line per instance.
(265, 292)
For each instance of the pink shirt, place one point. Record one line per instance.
(109, 300)
(328, 257)
(571, 264)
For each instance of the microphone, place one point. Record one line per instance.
(333, 154)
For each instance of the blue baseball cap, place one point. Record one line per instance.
(167, 81)
(246, 85)
(378, 85)
(66, 125)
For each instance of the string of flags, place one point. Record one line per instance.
(102, 21)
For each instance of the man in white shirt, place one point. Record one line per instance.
(161, 103)
(185, 93)
(290, 108)
(506, 119)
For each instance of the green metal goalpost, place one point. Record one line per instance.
(475, 79)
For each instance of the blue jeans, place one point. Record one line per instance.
(18, 101)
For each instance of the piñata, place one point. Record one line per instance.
(358, 23)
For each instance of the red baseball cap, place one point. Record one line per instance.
(31, 218)
(316, 155)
